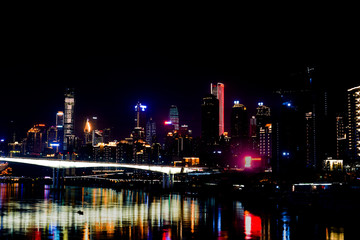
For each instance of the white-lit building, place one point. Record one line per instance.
(353, 135)
(218, 91)
(69, 130)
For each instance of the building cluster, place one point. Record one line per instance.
(296, 133)
(249, 143)
(170, 143)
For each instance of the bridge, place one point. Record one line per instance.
(57, 166)
(62, 164)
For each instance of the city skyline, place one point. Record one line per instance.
(110, 114)
(158, 109)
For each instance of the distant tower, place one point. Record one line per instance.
(340, 137)
(140, 115)
(218, 91)
(239, 124)
(210, 119)
(52, 138)
(87, 132)
(354, 123)
(309, 130)
(264, 132)
(69, 130)
(262, 115)
(150, 131)
(60, 129)
(174, 117)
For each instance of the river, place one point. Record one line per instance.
(35, 212)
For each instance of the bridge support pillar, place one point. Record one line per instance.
(168, 180)
(58, 176)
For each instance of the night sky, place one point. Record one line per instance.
(168, 60)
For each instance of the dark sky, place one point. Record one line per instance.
(165, 60)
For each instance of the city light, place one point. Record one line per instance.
(260, 104)
(285, 154)
(287, 104)
(247, 161)
(142, 107)
(236, 102)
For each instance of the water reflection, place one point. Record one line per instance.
(97, 213)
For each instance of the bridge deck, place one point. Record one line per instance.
(85, 164)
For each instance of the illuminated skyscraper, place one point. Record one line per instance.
(218, 91)
(264, 132)
(36, 140)
(69, 131)
(87, 132)
(354, 123)
(140, 115)
(60, 119)
(150, 132)
(52, 138)
(60, 129)
(340, 137)
(174, 117)
(262, 115)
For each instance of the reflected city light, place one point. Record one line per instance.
(252, 225)
(99, 213)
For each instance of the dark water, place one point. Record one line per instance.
(97, 213)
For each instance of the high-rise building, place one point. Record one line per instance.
(310, 140)
(36, 140)
(87, 132)
(210, 120)
(218, 91)
(52, 139)
(174, 116)
(69, 127)
(97, 137)
(340, 137)
(60, 129)
(150, 132)
(140, 115)
(354, 123)
(265, 142)
(239, 122)
(262, 115)
(107, 135)
(60, 119)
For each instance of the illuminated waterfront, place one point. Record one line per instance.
(98, 213)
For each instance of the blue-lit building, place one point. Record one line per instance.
(174, 116)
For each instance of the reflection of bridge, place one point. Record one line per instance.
(84, 164)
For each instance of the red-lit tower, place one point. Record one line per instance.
(218, 91)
